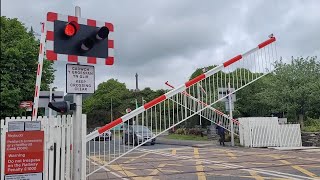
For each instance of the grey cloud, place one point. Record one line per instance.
(167, 40)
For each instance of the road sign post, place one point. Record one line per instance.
(231, 116)
(77, 128)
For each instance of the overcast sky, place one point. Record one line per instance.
(167, 40)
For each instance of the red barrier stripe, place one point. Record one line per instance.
(72, 58)
(109, 26)
(91, 22)
(267, 42)
(33, 112)
(219, 112)
(42, 29)
(195, 80)
(110, 125)
(92, 60)
(110, 44)
(50, 36)
(231, 61)
(38, 70)
(109, 61)
(169, 85)
(40, 50)
(72, 18)
(51, 55)
(154, 102)
(52, 16)
(36, 92)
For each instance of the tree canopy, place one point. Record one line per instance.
(18, 66)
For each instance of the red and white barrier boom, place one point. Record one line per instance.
(185, 87)
(178, 105)
(39, 72)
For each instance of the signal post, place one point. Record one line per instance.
(76, 41)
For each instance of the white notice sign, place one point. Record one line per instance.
(16, 126)
(30, 176)
(80, 79)
(32, 125)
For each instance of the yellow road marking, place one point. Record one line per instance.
(138, 157)
(156, 171)
(201, 175)
(304, 171)
(255, 175)
(120, 169)
(231, 155)
(174, 152)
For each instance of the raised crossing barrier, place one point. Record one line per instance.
(196, 96)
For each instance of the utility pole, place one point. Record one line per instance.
(137, 86)
(230, 115)
(77, 129)
(111, 111)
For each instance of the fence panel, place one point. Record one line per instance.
(57, 145)
(267, 132)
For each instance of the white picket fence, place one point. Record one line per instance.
(57, 145)
(267, 132)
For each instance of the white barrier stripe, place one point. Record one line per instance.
(132, 114)
(62, 57)
(82, 59)
(175, 91)
(82, 21)
(50, 26)
(250, 52)
(214, 70)
(100, 61)
(92, 135)
(49, 45)
(62, 17)
(110, 52)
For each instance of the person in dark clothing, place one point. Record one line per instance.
(221, 133)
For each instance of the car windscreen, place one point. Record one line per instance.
(141, 129)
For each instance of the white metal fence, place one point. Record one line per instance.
(267, 132)
(57, 145)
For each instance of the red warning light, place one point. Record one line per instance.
(71, 28)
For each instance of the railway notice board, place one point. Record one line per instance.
(24, 155)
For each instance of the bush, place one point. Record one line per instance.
(195, 131)
(312, 122)
(181, 131)
(311, 125)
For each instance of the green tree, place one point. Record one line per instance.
(18, 66)
(295, 88)
(98, 106)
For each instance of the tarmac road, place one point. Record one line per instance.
(208, 161)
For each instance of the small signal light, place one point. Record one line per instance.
(87, 44)
(103, 33)
(71, 28)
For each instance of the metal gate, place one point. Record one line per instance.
(194, 97)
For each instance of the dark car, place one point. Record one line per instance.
(136, 134)
(104, 136)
